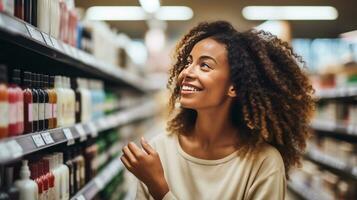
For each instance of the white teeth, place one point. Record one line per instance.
(189, 88)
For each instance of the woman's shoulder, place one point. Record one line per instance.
(269, 158)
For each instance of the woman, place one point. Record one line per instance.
(242, 124)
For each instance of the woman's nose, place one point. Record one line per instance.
(190, 71)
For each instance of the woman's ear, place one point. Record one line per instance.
(232, 91)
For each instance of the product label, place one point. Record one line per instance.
(41, 111)
(12, 113)
(30, 112)
(48, 111)
(35, 111)
(20, 111)
(54, 110)
(4, 110)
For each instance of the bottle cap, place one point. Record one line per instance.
(25, 171)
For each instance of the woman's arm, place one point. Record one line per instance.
(146, 166)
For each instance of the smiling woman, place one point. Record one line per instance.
(243, 121)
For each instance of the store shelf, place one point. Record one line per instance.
(339, 131)
(332, 164)
(43, 51)
(306, 193)
(14, 148)
(337, 93)
(100, 181)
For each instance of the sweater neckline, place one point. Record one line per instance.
(200, 160)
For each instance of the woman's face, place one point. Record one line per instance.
(205, 81)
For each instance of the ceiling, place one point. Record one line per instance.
(230, 10)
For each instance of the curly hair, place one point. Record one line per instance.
(274, 102)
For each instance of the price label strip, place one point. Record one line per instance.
(93, 129)
(38, 140)
(4, 152)
(81, 197)
(68, 134)
(56, 45)
(47, 138)
(47, 39)
(14, 148)
(35, 34)
(81, 132)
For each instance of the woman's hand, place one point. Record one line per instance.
(146, 166)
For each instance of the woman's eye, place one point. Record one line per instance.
(204, 65)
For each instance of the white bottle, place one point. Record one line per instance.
(64, 171)
(27, 188)
(85, 100)
(60, 101)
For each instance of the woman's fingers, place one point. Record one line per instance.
(137, 152)
(125, 162)
(129, 154)
(146, 146)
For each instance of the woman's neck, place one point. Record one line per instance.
(214, 128)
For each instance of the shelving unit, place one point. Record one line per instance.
(337, 93)
(26, 40)
(100, 181)
(305, 193)
(16, 147)
(339, 131)
(332, 164)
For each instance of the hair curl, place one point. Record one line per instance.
(274, 100)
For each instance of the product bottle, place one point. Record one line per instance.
(57, 175)
(47, 109)
(27, 102)
(64, 177)
(3, 194)
(53, 103)
(81, 161)
(45, 179)
(51, 180)
(41, 104)
(34, 13)
(72, 171)
(4, 103)
(27, 11)
(35, 103)
(86, 106)
(75, 87)
(77, 168)
(10, 187)
(27, 188)
(61, 96)
(19, 9)
(35, 176)
(16, 108)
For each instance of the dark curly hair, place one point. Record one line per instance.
(274, 100)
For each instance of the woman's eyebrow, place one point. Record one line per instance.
(207, 57)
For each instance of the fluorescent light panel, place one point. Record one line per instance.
(150, 6)
(290, 13)
(133, 13)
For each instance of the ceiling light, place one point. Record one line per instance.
(150, 6)
(131, 13)
(290, 13)
(116, 13)
(174, 13)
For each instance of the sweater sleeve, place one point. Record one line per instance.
(272, 186)
(142, 193)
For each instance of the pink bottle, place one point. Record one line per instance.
(16, 105)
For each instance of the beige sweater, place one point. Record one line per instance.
(231, 177)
